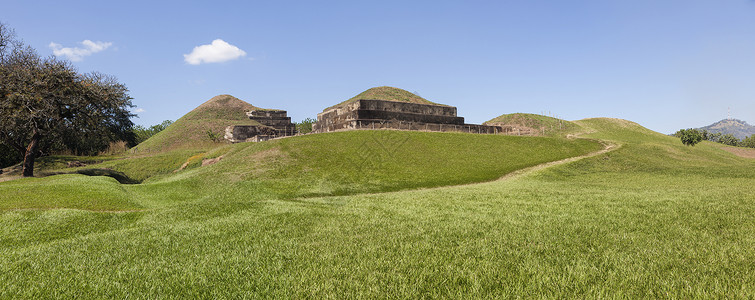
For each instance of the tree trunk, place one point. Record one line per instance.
(31, 153)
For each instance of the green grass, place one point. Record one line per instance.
(334, 164)
(136, 167)
(652, 219)
(65, 191)
(361, 162)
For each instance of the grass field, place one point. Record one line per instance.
(651, 219)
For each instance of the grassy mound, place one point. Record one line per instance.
(334, 164)
(375, 161)
(66, 191)
(649, 152)
(386, 93)
(190, 131)
(536, 123)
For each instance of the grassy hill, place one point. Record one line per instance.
(542, 125)
(651, 219)
(386, 93)
(338, 164)
(190, 131)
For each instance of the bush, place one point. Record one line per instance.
(689, 137)
(748, 141)
(729, 139)
(305, 126)
(216, 137)
(9, 156)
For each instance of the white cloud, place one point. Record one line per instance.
(76, 53)
(217, 51)
(139, 110)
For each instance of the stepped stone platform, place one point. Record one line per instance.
(277, 119)
(384, 114)
(275, 123)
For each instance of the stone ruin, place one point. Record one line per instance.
(277, 119)
(274, 123)
(386, 114)
(391, 111)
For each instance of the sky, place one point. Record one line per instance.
(666, 64)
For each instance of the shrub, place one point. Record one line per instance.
(689, 137)
(749, 141)
(216, 137)
(305, 126)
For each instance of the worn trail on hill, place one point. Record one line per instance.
(607, 147)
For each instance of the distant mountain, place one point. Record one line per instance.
(738, 128)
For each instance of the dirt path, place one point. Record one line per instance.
(607, 147)
(741, 152)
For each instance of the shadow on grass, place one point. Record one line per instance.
(119, 176)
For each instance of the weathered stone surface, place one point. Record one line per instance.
(275, 123)
(276, 119)
(241, 133)
(210, 161)
(382, 114)
(514, 129)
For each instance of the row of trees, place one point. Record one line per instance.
(690, 137)
(46, 105)
(10, 156)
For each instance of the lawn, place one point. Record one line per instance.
(652, 219)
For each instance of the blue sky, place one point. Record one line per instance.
(666, 64)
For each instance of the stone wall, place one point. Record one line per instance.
(405, 107)
(277, 119)
(518, 130)
(379, 111)
(244, 133)
(417, 126)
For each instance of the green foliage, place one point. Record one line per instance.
(749, 141)
(46, 105)
(143, 133)
(728, 139)
(9, 156)
(305, 126)
(215, 137)
(689, 137)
